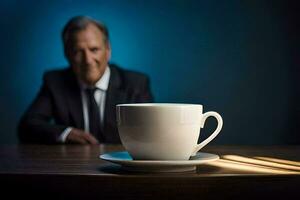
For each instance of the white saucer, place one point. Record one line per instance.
(125, 160)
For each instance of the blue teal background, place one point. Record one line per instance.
(239, 58)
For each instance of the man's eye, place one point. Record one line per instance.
(94, 49)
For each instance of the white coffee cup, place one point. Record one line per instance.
(163, 131)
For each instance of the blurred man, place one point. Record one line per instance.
(77, 104)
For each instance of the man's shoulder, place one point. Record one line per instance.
(135, 84)
(128, 76)
(59, 78)
(57, 74)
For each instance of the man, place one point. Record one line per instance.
(77, 104)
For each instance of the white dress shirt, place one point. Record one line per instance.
(99, 95)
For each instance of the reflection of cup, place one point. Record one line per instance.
(161, 131)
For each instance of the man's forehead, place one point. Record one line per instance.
(89, 31)
(89, 36)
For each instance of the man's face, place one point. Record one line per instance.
(89, 54)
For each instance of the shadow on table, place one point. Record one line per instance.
(117, 169)
(227, 164)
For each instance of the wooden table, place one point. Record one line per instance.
(76, 172)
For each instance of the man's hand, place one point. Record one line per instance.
(78, 136)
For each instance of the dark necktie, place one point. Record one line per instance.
(94, 114)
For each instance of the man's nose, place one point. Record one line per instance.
(87, 57)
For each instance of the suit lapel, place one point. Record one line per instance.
(74, 100)
(114, 95)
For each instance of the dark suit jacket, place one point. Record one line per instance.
(58, 105)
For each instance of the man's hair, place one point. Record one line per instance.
(79, 23)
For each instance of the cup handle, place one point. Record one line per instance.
(214, 134)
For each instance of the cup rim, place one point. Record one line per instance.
(157, 105)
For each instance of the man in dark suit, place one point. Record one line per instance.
(77, 104)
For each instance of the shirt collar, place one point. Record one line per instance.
(102, 83)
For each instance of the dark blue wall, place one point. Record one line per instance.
(235, 57)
